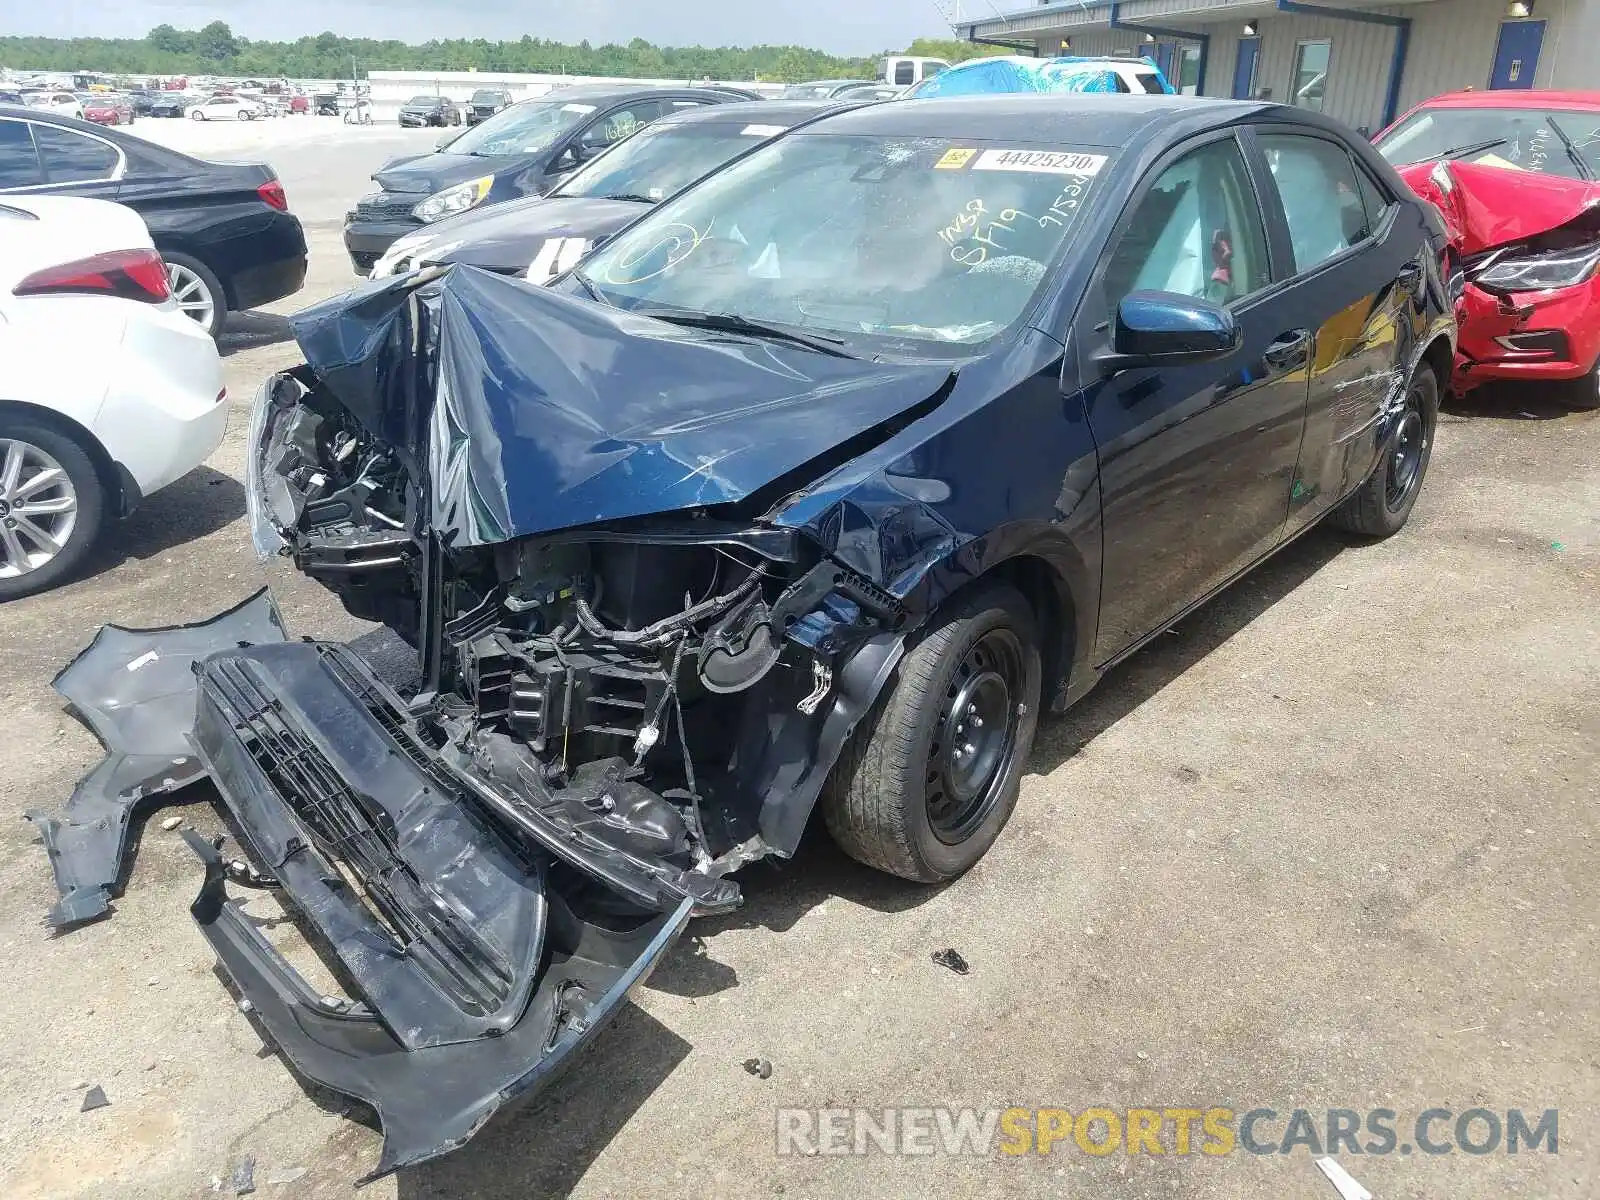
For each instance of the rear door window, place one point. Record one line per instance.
(19, 161)
(72, 157)
(1321, 199)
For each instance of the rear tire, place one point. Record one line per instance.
(930, 777)
(194, 273)
(40, 444)
(1382, 505)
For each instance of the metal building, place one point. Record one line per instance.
(1362, 63)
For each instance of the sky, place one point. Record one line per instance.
(838, 26)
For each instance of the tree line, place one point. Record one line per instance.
(214, 50)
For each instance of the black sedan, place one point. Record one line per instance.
(524, 150)
(169, 104)
(224, 229)
(428, 110)
(539, 237)
(812, 488)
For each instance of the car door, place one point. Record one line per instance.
(1359, 279)
(1196, 459)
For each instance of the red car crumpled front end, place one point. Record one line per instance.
(1527, 250)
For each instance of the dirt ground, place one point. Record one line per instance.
(1330, 844)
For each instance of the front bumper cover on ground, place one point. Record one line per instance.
(476, 964)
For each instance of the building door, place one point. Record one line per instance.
(1516, 56)
(1162, 52)
(1244, 68)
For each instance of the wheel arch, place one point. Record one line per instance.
(178, 243)
(114, 477)
(1440, 355)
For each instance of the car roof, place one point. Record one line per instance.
(787, 113)
(1544, 98)
(618, 91)
(1069, 117)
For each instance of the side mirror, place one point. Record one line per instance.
(1155, 329)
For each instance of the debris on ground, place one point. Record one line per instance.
(171, 823)
(94, 1098)
(1342, 1180)
(285, 1175)
(243, 1181)
(951, 959)
(759, 1067)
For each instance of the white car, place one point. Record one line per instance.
(63, 104)
(107, 391)
(224, 108)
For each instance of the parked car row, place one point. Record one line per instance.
(119, 262)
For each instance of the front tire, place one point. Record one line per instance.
(1383, 504)
(52, 505)
(197, 115)
(1583, 395)
(930, 777)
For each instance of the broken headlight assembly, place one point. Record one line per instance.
(1521, 269)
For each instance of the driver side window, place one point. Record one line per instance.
(623, 123)
(1197, 231)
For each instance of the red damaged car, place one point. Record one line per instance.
(1517, 177)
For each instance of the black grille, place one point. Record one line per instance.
(387, 206)
(352, 830)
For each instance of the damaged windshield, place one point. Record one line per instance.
(521, 129)
(919, 238)
(661, 162)
(1554, 142)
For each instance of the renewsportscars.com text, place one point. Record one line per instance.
(1180, 1131)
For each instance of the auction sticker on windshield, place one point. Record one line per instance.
(1048, 162)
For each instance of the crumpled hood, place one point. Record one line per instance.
(534, 411)
(1485, 207)
(432, 172)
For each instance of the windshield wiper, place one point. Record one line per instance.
(734, 323)
(593, 292)
(1469, 148)
(1572, 150)
(633, 196)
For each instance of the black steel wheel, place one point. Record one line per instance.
(975, 738)
(1381, 506)
(930, 776)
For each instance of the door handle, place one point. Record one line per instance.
(1289, 350)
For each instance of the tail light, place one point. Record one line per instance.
(128, 274)
(274, 195)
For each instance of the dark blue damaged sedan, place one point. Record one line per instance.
(810, 489)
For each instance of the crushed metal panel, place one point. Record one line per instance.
(135, 689)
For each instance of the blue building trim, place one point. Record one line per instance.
(1402, 43)
(1163, 31)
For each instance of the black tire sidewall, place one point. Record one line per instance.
(1428, 383)
(999, 608)
(75, 460)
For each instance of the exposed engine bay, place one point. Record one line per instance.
(617, 685)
